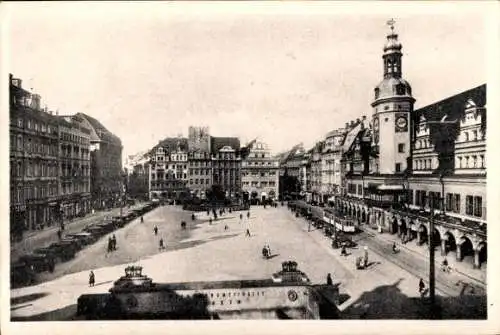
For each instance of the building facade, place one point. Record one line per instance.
(168, 170)
(137, 170)
(260, 173)
(74, 166)
(226, 164)
(413, 166)
(107, 175)
(34, 141)
(200, 173)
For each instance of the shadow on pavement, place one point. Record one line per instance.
(62, 314)
(388, 302)
(104, 282)
(191, 244)
(26, 298)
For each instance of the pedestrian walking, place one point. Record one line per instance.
(155, 230)
(91, 279)
(59, 234)
(226, 228)
(241, 216)
(421, 286)
(114, 241)
(343, 251)
(142, 219)
(110, 244)
(162, 244)
(329, 280)
(247, 233)
(210, 221)
(248, 215)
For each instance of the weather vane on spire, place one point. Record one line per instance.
(391, 23)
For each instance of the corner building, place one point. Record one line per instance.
(410, 166)
(260, 173)
(34, 141)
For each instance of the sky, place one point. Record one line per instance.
(284, 74)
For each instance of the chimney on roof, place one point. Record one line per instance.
(347, 125)
(352, 123)
(364, 117)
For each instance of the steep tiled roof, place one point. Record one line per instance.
(443, 135)
(102, 132)
(218, 143)
(171, 143)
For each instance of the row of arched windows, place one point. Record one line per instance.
(470, 162)
(423, 164)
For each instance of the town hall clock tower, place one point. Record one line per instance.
(392, 109)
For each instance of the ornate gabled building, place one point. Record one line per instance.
(411, 166)
(168, 169)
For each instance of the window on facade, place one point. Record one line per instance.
(466, 136)
(401, 147)
(474, 161)
(410, 197)
(478, 206)
(469, 205)
(400, 89)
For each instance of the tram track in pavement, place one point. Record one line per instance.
(412, 264)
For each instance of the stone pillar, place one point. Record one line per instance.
(476, 264)
(459, 252)
(443, 247)
(399, 229)
(419, 236)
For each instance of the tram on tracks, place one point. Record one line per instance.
(341, 223)
(324, 217)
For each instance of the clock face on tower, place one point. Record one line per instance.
(401, 123)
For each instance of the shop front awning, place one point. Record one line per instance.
(385, 187)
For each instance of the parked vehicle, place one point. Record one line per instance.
(78, 244)
(97, 232)
(340, 239)
(38, 262)
(63, 250)
(21, 274)
(107, 227)
(84, 237)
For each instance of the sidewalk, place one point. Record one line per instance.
(463, 268)
(38, 239)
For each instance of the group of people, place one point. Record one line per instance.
(266, 251)
(112, 243)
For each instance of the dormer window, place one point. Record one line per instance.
(466, 137)
(400, 89)
(474, 135)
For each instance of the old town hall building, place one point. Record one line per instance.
(407, 163)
